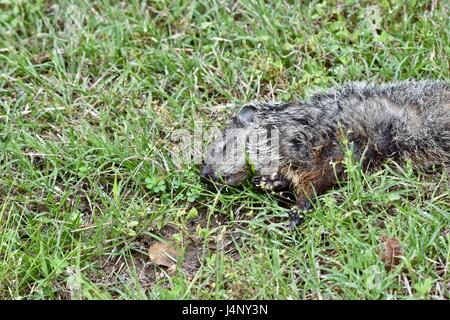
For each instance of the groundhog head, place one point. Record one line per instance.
(226, 159)
(247, 145)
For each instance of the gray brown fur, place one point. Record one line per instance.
(399, 121)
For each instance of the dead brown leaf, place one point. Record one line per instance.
(163, 254)
(390, 253)
(42, 57)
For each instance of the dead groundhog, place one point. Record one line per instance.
(298, 145)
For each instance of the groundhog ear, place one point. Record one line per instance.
(246, 114)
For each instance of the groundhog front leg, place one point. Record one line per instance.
(309, 185)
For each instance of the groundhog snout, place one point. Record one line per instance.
(207, 173)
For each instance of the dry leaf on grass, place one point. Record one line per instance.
(42, 57)
(163, 254)
(391, 252)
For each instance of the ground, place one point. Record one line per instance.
(93, 204)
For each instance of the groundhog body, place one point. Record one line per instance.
(408, 120)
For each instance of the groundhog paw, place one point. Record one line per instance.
(273, 182)
(295, 217)
(296, 214)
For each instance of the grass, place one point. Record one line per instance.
(91, 96)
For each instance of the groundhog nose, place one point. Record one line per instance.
(207, 173)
